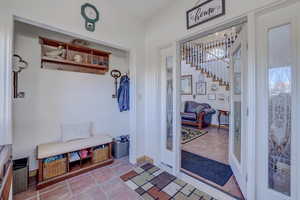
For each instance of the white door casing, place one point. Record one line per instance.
(168, 106)
(238, 110)
(277, 156)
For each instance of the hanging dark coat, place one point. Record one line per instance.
(123, 94)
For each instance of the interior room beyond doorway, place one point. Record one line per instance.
(206, 109)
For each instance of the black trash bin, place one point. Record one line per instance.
(20, 172)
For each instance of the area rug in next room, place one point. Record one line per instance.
(212, 170)
(188, 134)
(152, 183)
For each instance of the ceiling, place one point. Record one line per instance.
(142, 9)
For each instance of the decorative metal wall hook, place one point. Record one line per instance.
(18, 65)
(115, 74)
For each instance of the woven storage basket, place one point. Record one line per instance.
(100, 155)
(54, 168)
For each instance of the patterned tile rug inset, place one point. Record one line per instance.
(152, 183)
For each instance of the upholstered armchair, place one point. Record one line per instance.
(197, 114)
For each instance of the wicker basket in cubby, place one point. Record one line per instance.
(54, 168)
(100, 155)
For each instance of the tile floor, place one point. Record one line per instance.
(99, 184)
(214, 145)
(151, 183)
(105, 184)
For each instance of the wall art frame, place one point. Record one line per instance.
(212, 96)
(205, 12)
(186, 85)
(201, 88)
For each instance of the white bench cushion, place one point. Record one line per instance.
(53, 149)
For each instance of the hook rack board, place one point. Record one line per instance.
(90, 60)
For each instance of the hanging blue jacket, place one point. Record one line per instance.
(123, 94)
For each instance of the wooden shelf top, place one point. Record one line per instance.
(50, 42)
(68, 62)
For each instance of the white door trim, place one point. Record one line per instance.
(262, 79)
(251, 81)
(239, 168)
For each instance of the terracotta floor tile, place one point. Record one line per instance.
(110, 185)
(154, 191)
(30, 193)
(94, 193)
(58, 193)
(51, 187)
(121, 192)
(82, 183)
(122, 168)
(103, 175)
(157, 194)
(213, 145)
(129, 175)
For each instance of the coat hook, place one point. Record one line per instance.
(115, 74)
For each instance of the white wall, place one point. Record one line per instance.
(5, 75)
(186, 69)
(115, 28)
(55, 97)
(165, 28)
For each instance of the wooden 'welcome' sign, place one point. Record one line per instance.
(204, 12)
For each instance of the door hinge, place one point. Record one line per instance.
(246, 178)
(247, 112)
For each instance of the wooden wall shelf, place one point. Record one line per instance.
(90, 60)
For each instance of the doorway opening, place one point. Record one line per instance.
(212, 103)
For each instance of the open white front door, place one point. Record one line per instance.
(278, 110)
(168, 73)
(238, 116)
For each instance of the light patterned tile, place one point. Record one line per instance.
(172, 188)
(206, 197)
(188, 189)
(194, 197)
(139, 180)
(146, 196)
(158, 172)
(180, 196)
(131, 184)
(138, 170)
(153, 169)
(147, 176)
(180, 182)
(147, 186)
(199, 193)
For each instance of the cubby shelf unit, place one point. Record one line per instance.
(92, 60)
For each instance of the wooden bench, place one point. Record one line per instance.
(66, 169)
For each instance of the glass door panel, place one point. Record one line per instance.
(237, 105)
(169, 102)
(279, 109)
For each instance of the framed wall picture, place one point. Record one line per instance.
(214, 87)
(201, 88)
(187, 85)
(204, 12)
(221, 97)
(211, 96)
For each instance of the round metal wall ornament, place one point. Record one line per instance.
(91, 15)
